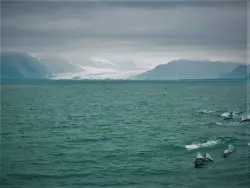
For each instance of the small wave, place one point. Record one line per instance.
(206, 123)
(205, 111)
(219, 123)
(209, 143)
(227, 139)
(183, 123)
(228, 124)
(248, 143)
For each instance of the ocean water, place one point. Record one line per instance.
(76, 134)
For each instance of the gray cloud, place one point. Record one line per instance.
(154, 29)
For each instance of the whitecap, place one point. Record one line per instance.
(183, 123)
(227, 114)
(209, 143)
(206, 123)
(205, 111)
(219, 123)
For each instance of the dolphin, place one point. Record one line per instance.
(228, 151)
(202, 159)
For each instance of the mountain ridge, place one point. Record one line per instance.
(188, 69)
(16, 65)
(240, 72)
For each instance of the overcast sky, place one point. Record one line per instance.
(145, 32)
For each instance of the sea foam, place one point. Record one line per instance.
(226, 114)
(209, 143)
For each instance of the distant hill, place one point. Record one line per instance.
(58, 65)
(188, 69)
(240, 72)
(15, 65)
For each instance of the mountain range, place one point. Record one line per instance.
(15, 65)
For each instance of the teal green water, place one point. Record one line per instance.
(122, 134)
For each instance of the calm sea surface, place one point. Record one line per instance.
(78, 134)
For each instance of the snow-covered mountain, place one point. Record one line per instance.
(127, 65)
(98, 62)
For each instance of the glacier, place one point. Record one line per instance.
(93, 73)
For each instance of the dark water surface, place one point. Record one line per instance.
(122, 134)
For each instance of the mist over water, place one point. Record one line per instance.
(122, 134)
